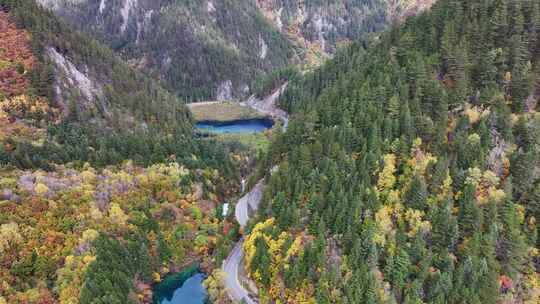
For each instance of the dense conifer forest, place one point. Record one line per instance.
(409, 173)
(134, 119)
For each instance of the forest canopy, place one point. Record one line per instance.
(409, 172)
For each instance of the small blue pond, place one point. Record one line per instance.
(238, 126)
(183, 288)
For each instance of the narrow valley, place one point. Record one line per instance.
(269, 152)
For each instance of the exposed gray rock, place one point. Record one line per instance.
(125, 11)
(82, 248)
(102, 197)
(263, 48)
(210, 7)
(102, 6)
(268, 106)
(197, 191)
(69, 78)
(225, 91)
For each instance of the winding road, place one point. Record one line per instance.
(249, 203)
(231, 265)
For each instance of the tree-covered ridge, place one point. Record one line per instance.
(410, 173)
(20, 102)
(102, 236)
(16, 58)
(118, 88)
(51, 120)
(211, 49)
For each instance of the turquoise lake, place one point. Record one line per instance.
(239, 126)
(183, 288)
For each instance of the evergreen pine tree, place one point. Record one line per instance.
(416, 195)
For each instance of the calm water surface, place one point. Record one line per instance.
(181, 290)
(240, 126)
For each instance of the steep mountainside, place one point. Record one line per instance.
(103, 187)
(215, 49)
(324, 24)
(85, 81)
(410, 171)
(68, 98)
(200, 49)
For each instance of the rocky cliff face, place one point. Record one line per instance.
(199, 49)
(212, 49)
(331, 22)
(55, 74)
(324, 24)
(398, 10)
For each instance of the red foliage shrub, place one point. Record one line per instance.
(16, 58)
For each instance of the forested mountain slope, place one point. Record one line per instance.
(200, 49)
(103, 187)
(97, 108)
(215, 49)
(329, 23)
(410, 172)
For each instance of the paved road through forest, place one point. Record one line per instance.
(249, 203)
(231, 265)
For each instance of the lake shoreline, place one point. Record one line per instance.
(167, 290)
(235, 126)
(266, 120)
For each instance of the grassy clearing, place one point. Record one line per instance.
(222, 111)
(256, 141)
